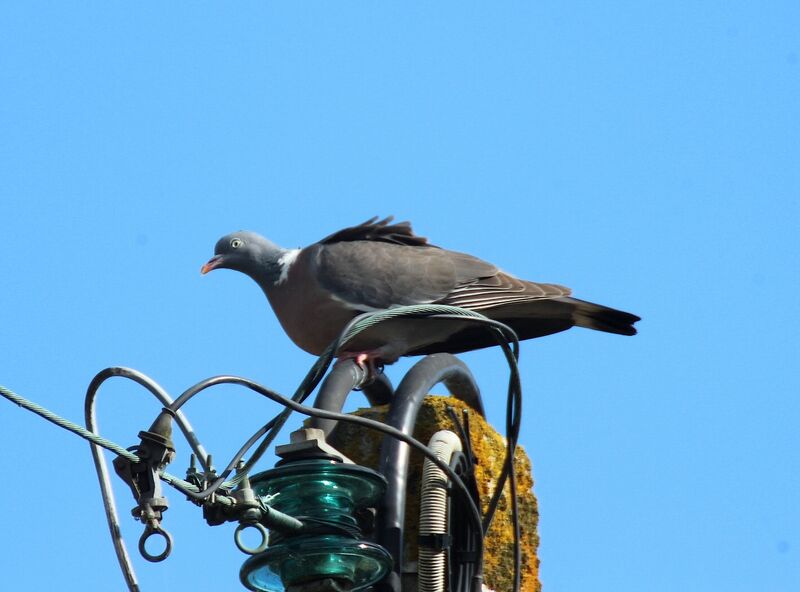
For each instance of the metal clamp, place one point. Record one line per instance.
(155, 451)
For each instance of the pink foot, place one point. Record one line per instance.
(367, 361)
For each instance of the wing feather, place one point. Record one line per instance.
(501, 289)
(377, 230)
(377, 275)
(378, 265)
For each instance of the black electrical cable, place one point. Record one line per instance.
(509, 343)
(513, 426)
(505, 336)
(220, 481)
(293, 405)
(513, 417)
(100, 464)
(365, 422)
(513, 423)
(370, 424)
(156, 390)
(310, 382)
(271, 428)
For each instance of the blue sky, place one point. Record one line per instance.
(645, 154)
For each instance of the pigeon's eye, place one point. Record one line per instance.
(236, 243)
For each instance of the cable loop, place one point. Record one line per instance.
(149, 531)
(261, 547)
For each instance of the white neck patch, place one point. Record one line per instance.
(285, 261)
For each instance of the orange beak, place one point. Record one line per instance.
(213, 263)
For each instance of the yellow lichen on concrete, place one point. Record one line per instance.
(489, 447)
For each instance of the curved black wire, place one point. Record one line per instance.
(373, 425)
(269, 431)
(101, 468)
(156, 390)
(508, 342)
(506, 335)
(293, 405)
(269, 427)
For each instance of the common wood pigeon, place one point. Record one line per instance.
(317, 290)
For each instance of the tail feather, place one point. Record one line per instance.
(603, 318)
(530, 319)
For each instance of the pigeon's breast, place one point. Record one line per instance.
(309, 314)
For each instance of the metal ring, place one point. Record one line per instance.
(148, 532)
(237, 537)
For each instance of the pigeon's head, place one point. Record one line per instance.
(249, 253)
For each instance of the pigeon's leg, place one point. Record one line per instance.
(369, 362)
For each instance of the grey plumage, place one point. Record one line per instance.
(376, 265)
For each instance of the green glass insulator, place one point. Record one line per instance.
(354, 564)
(320, 489)
(328, 492)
